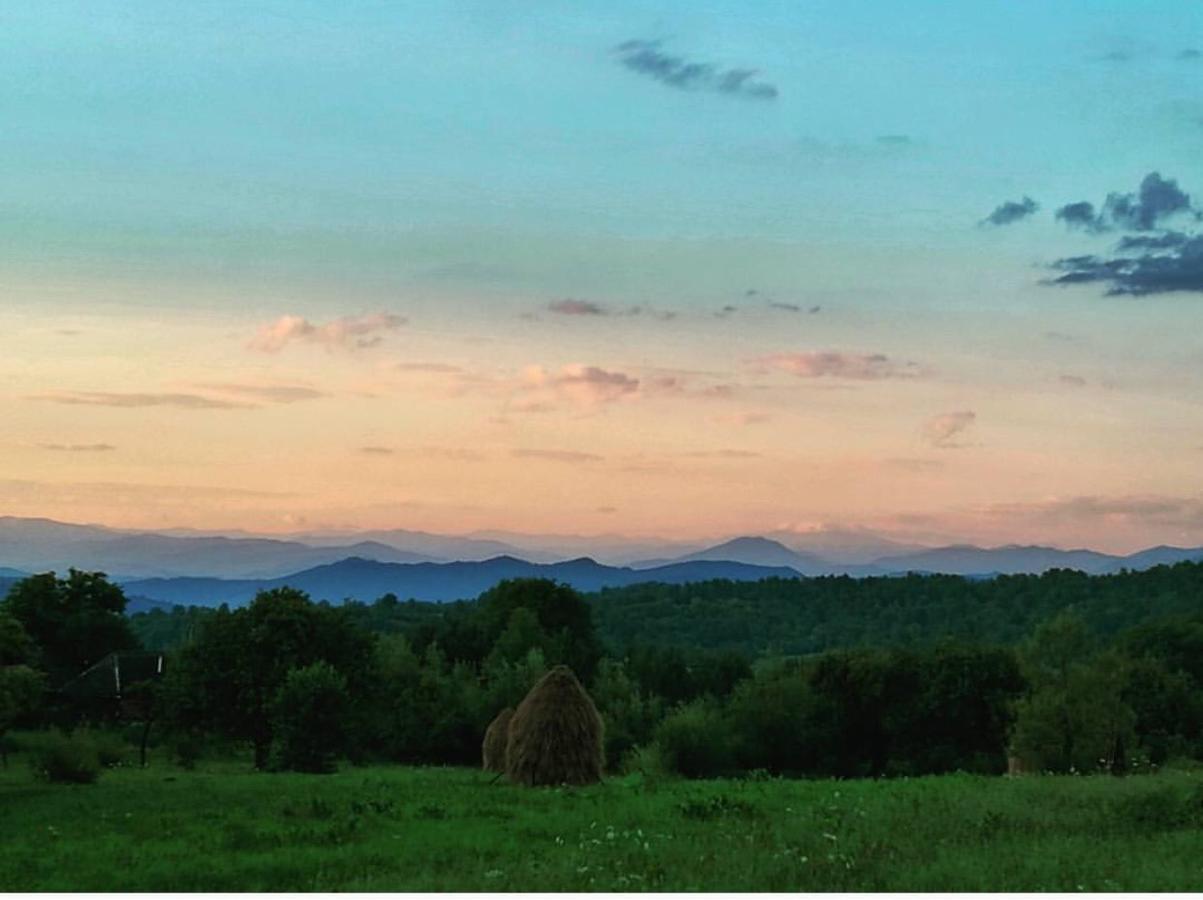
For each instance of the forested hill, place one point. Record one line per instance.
(792, 616)
(810, 615)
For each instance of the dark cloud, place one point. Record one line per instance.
(1011, 211)
(1157, 199)
(1078, 215)
(1154, 260)
(895, 140)
(1190, 54)
(1180, 269)
(788, 307)
(727, 310)
(1165, 241)
(646, 58)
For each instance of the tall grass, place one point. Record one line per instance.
(223, 828)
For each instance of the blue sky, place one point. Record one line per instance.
(464, 165)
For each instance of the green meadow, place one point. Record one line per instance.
(222, 827)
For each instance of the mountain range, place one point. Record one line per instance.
(365, 579)
(183, 566)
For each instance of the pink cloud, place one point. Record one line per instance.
(833, 364)
(346, 333)
(587, 386)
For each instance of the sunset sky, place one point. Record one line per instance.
(691, 269)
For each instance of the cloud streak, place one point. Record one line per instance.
(647, 59)
(283, 393)
(838, 365)
(346, 333)
(570, 307)
(562, 456)
(1177, 269)
(1178, 512)
(943, 430)
(139, 400)
(78, 448)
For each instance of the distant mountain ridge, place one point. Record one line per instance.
(38, 545)
(757, 551)
(366, 580)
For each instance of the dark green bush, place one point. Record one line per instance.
(61, 759)
(110, 749)
(695, 741)
(310, 713)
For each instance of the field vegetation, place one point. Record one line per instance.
(224, 827)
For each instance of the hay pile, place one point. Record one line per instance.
(555, 734)
(497, 735)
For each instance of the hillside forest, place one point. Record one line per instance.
(1062, 672)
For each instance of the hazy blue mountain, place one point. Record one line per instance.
(366, 580)
(13, 573)
(1159, 556)
(42, 545)
(855, 546)
(150, 554)
(38, 545)
(754, 551)
(434, 547)
(611, 549)
(1009, 560)
(134, 605)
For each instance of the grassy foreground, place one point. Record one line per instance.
(222, 828)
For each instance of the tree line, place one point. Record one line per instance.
(300, 684)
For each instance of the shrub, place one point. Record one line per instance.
(60, 759)
(110, 749)
(771, 719)
(310, 709)
(694, 741)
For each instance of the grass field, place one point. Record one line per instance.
(223, 828)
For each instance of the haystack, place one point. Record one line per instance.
(555, 734)
(497, 735)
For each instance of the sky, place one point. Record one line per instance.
(685, 269)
